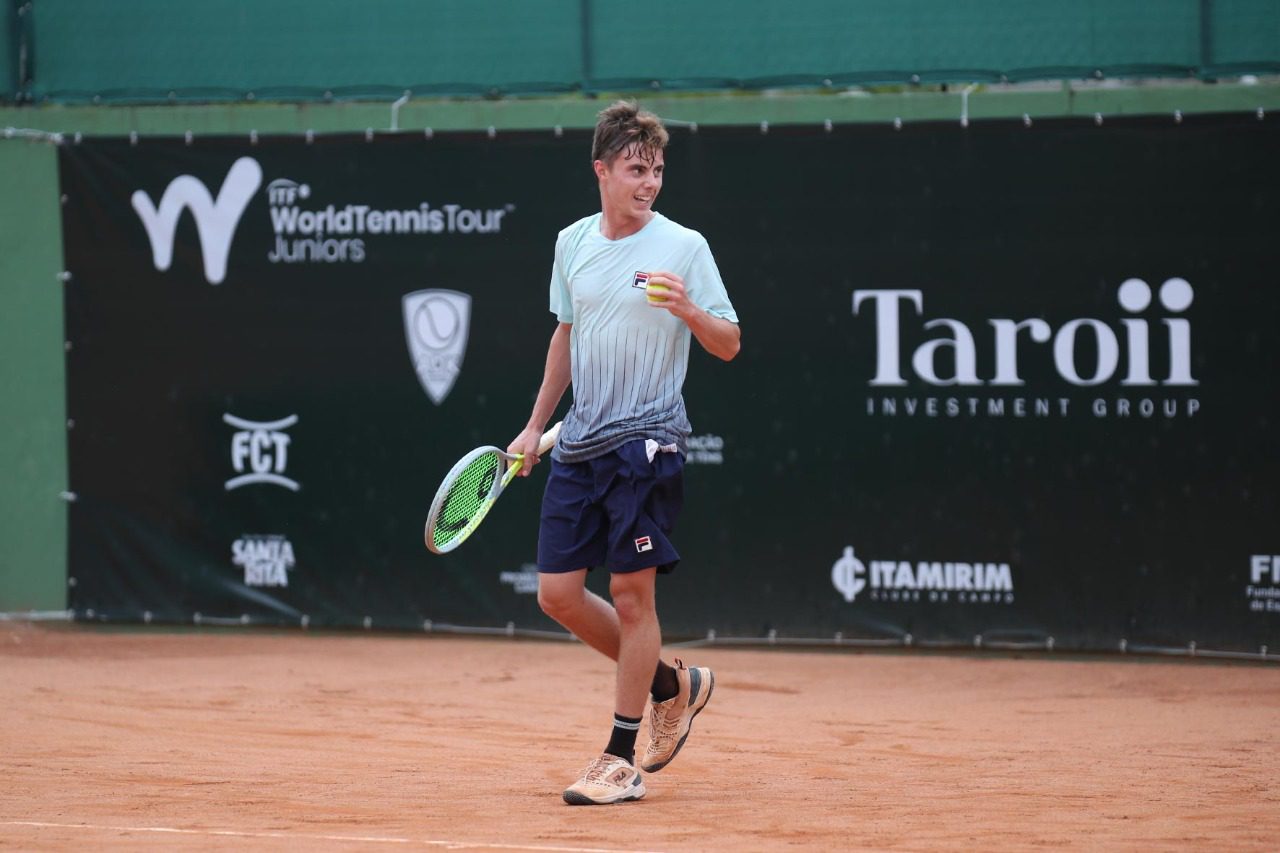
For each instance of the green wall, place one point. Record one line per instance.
(32, 419)
(33, 439)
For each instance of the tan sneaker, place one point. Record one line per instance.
(670, 721)
(608, 779)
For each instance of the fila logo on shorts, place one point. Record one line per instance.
(641, 280)
(644, 543)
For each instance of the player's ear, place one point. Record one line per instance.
(599, 168)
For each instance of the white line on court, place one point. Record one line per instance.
(304, 836)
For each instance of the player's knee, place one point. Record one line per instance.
(557, 602)
(633, 606)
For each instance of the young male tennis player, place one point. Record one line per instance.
(629, 287)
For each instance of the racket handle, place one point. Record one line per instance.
(549, 438)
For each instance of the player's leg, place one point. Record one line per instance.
(573, 534)
(681, 693)
(640, 638)
(612, 777)
(636, 644)
(564, 597)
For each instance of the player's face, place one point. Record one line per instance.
(631, 183)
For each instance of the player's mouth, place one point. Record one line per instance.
(642, 199)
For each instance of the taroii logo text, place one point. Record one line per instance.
(1263, 590)
(951, 360)
(436, 325)
(216, 220)
(266, 559)
(899, 580)
(260, 452)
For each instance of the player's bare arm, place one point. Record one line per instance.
(717, 336)
(555, 380)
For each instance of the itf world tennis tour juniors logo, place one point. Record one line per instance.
(436, 325)
(306, 230)
(934, 582)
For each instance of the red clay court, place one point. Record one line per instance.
(283, 740)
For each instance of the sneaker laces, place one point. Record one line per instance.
(663, 727)
(595, 771)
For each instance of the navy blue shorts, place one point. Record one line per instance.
(616, 511)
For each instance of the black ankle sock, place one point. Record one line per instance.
(664, 684)
(622, 742)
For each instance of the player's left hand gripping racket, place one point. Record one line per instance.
(470, 489)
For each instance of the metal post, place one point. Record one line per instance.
(1206, 38)
(584, 18)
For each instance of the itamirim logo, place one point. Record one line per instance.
(216, 219)
(931, 581)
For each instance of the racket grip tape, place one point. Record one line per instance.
(549, 438)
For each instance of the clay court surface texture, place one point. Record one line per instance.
(138, 740)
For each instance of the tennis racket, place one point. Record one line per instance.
(469, 491)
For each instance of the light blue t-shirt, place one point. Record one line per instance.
(628, 358)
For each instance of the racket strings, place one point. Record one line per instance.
(466, 496)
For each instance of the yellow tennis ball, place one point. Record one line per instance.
(653, 294)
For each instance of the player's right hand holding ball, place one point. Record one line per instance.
(666, 290)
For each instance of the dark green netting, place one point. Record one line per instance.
(307, 50)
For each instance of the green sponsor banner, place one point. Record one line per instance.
(1006, 383)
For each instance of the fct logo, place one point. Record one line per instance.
(260, 452)
(216, 219)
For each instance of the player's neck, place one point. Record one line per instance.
(615, 225)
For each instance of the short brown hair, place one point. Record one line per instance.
(623, 127)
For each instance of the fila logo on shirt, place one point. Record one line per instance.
(641, 280)
(644, 543)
